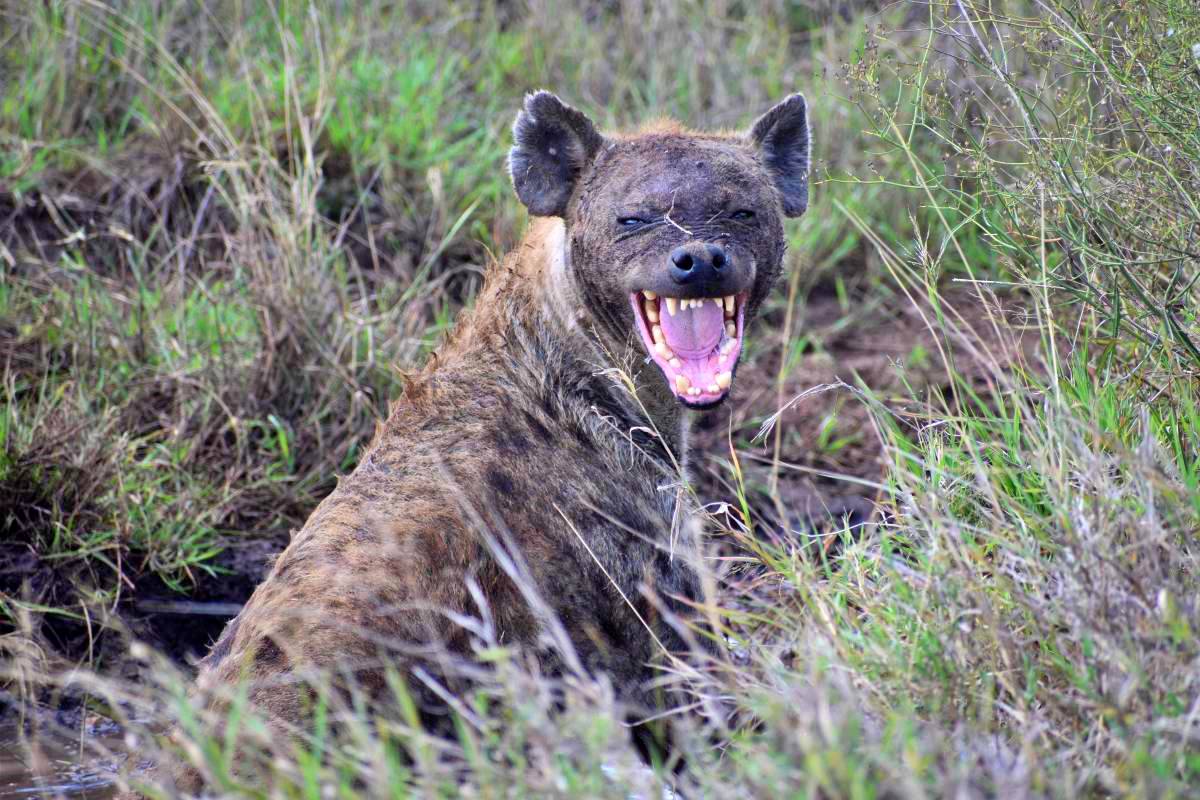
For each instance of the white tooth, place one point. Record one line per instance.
(682, 384)
(657, 333)
(694, 391)
(731, 329)
(651, 311)
(675, 363)
(724, 379)
(717, 302)
(727, 346)
(649, 295)
(713, 389)
(728, 303)
(663, 351)
(671, 301)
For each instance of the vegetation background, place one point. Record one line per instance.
(954, 503)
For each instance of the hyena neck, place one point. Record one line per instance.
(561, 340)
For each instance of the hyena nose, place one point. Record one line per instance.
(697, 263)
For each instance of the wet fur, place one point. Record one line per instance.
(518, 439)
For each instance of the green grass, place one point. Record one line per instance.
(230, 232)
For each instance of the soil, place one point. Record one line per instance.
(829, 451)
(818, 488)
(829, 463)
(884, 345)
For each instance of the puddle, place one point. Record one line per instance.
(60, 755)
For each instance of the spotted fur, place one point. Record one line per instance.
(518, 479)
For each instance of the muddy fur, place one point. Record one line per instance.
(518, 480)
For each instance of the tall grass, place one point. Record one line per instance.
(210, 276)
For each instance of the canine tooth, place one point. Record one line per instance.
(651, 311)
(724, 379)
(671, 305)
(657, 333)
(682, 384)
(649, 295)
(675, 363)
(727, 301)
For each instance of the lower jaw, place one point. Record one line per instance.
(702, 380)
(707, 405)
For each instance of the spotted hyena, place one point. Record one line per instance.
(529, 474)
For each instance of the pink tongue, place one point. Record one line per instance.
(693, 332)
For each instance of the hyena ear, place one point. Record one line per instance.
(783, 139)
(552, 143)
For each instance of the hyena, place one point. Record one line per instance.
(530, 471)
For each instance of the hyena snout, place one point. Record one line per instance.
(701, 266)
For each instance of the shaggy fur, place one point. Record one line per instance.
(518, 478)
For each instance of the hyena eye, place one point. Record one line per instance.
(630, 222)
(742, 214)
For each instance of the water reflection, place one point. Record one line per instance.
(60, 754)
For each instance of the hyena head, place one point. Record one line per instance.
(675, 235)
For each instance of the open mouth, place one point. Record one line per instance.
(695, 341)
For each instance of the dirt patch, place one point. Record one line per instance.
(160, 197)
(151, 192)
(155, 202)
(186, 626)
(829, 449)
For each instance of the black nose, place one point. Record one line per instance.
(697, 263)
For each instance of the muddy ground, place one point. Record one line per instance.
(872, 337)
(817, 488)
(830, 453)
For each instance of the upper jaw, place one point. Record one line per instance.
(696, 342)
